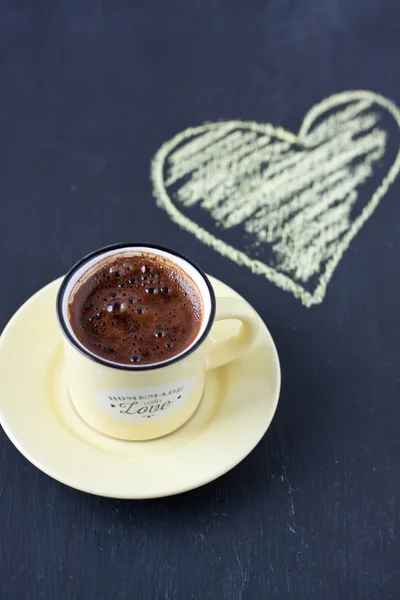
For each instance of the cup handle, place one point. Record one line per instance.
(226, 350)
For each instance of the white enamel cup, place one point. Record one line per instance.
(143, 402)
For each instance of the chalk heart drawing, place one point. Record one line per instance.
(287, 206)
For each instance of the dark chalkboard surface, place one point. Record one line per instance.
(90, 93)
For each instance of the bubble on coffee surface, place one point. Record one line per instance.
(104, 347)
(117, 270)
(116, 306)
(128, 266)
(97, 316)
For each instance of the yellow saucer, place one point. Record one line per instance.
(35, 411)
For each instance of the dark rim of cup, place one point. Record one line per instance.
(110, 364)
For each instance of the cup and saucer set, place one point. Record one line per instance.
(137, 430)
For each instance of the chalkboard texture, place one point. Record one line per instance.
(90, 92)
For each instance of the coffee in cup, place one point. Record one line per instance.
(136, 308)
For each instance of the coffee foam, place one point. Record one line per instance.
(135, 308)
